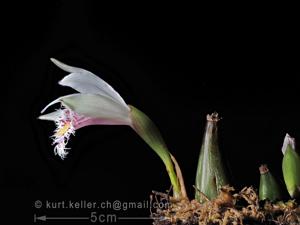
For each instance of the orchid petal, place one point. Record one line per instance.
(53, 116)
(96, 106)
(52, 103)
(88, 83)
(65, 67)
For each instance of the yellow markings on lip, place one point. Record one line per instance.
(63, 130)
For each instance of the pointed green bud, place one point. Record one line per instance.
(211, 174)
(268, 187)
(148, 131)
(291, 167)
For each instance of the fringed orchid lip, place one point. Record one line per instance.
(64, 129)
(67, 122)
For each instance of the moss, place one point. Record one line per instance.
(229, 207)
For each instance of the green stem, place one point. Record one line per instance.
(148, 131)
(174, 181)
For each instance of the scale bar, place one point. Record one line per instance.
(134, 218)
(67, 218)
(45, 218)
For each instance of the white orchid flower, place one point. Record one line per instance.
(99, 104)
(96, 104)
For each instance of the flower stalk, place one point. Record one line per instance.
(149, 132)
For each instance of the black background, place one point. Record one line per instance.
(175, 64)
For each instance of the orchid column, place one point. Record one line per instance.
(99, 104)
